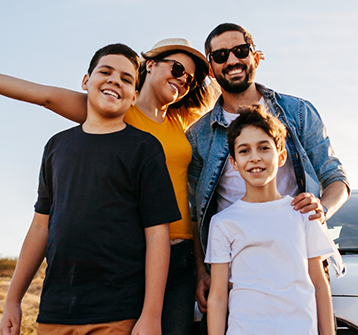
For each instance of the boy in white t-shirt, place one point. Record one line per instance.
(271, 254)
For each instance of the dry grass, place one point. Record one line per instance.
(30, 303)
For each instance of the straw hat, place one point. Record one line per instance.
(174, 44)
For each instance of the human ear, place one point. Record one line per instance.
(149, 65)
(135, 97)
(211, 72)
(282, 157)
(257, 59)
(233, 163)
(85, 82)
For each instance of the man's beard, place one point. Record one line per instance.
(237, 86)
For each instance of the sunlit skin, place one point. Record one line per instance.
(161, 89)
(257, 160)
(111, 91)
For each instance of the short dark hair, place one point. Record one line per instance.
(255, 115)
(194, 100)
(224, 27)
(115, 49)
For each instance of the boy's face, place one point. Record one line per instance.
(256, 158)
(111, 86)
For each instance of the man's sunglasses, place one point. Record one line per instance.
(240, 51)
(178, 70)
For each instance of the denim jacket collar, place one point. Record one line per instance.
(217, 116)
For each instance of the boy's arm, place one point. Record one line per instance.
(218, 299)
(69, 104)
(156, 273)
(31, 256)
(323, 296)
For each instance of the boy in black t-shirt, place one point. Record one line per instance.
(105, 199)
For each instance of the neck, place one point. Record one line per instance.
(95, 124)
(148, 103)
(261, 194)
(232, 101)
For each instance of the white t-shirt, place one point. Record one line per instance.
(231, 186)
(267, 245)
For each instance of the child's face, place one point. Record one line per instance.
(111, 86)
(256, 157)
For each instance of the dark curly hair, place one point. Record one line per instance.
(256, 116)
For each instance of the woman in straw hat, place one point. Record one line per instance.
(173, 90)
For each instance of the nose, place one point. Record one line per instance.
(113, 79)
(255, 157)
(183, 80)
(232, 59)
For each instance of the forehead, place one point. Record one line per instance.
(119, 63)
(227, 40)
(184, 59)
(252, 135)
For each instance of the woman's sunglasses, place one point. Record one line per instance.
(240, 51)
(178, 70)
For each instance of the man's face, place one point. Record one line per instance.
(236, 74)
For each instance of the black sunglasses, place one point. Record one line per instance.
(178, 70)
(240, 51)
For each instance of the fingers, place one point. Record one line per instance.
(200, 296)
(307, 202)
(9, 329)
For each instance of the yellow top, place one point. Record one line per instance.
(177, 149)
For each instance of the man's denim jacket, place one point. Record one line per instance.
(307, 145)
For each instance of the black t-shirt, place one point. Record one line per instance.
(100, 191)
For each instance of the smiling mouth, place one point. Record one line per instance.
(111, 93)
(236, 69)
(256, 170)
(175, 87)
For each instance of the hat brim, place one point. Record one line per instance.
(157, 51)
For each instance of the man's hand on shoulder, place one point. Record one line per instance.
(307, 202)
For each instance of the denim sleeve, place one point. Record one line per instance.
(316, 143)
(194, 171)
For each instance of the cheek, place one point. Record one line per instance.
(182, 94)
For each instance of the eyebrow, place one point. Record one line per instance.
(112, 68)
(246, 144)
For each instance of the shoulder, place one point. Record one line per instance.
(202, 123)
(287, 101)
(63, 135)
(141, 140)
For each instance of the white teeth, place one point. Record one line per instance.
(175, 87)
(235, 71)
(111, 93)
(256, 170)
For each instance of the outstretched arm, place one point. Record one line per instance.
(323, 296)
(31, 257)
(69, 104)
(218, 298)
(156, 273)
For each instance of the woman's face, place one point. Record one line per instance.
(167, 88)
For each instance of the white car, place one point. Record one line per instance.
(343, 227)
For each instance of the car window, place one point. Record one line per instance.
(343, 226)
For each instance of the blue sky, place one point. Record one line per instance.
(311, 51)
